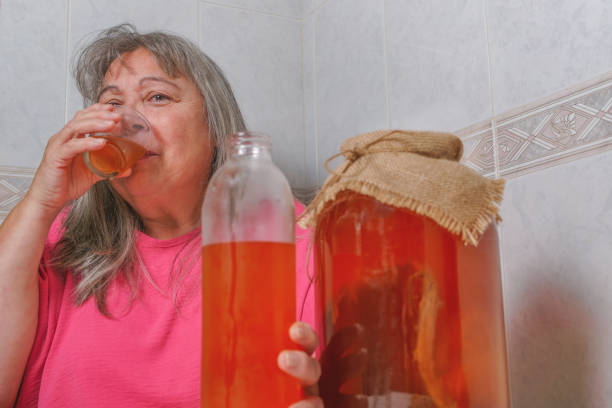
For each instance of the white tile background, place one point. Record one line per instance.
(541, 47)
(349, 71)
(313, 72)
(261, 56)
(557, 259)
(32, 78)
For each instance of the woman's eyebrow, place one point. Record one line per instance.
(114, 88)
(158, 79)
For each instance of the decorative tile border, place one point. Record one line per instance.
(563, 127)
(478, 151)
(14, 182)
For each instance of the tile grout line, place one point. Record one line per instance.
(500, 232)
(215, 4)
(317, 8)
(314, 96)
(491, 90)
(386, 62)
(66, 61)
(304, 136)
(198, 24)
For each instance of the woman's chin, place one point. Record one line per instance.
(138, 184)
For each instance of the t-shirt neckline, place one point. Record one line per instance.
(150, 242)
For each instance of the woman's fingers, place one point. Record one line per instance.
(310, 402)
(63, 156)
(303, 335)
(300, 365)
(93, 119)
(76, 128)
(62, 175)
(81, 145)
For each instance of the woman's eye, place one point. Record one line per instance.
(159, 98)
(114, 103)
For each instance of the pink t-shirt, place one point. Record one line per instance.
(148, 353)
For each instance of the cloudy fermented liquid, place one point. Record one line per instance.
(248, 306)
(380, 268)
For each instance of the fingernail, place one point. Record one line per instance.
(99, 140)
(289, 360)
(298, 332)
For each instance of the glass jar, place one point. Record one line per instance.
(248, 286)
(411, 316)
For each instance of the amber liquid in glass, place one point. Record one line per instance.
(116, 156)
(248, 306)
(376, 263)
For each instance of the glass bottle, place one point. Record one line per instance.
(411, 315)
(248, 286)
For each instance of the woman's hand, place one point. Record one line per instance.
(301, 365)
(62, 175)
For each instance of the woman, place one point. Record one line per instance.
(112, 316)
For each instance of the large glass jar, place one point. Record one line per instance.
(412, 316)
(248, 284)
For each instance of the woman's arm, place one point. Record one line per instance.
(60, 178)
(22, 238)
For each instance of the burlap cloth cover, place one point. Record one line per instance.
(418, 171)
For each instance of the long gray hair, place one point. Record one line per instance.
(97, 245)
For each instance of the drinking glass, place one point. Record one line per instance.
(122, 149)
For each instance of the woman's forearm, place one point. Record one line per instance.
(22, 239)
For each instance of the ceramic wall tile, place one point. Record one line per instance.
(32, 50)
(261, 56)
(556, 240)
(88, 16)
(541, 47)
(437, 64)
(286, 8)
(350, 74)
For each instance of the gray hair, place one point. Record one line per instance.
(97, 244)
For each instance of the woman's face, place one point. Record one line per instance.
(180, 151)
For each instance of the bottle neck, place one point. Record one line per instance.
(249, 145)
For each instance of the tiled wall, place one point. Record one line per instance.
(462, 66)
(526, 84)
